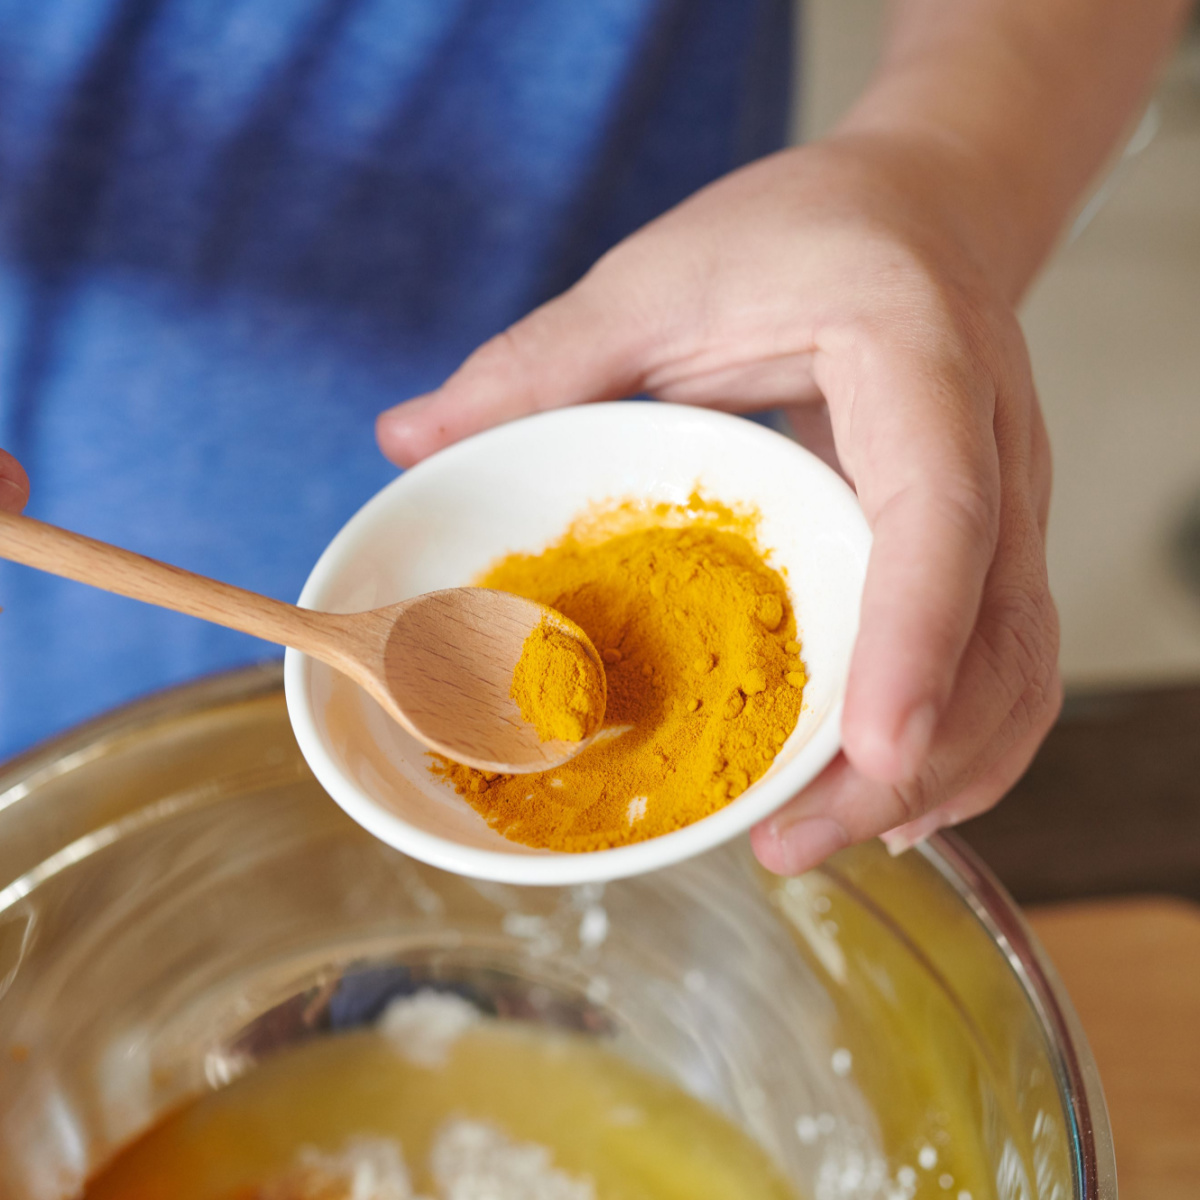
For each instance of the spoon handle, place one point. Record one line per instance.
(73, 556)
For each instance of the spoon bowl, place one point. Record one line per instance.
(446, 669)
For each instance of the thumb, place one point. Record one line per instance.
(14, 484)
(584, 345)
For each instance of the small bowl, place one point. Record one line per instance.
(517, 488)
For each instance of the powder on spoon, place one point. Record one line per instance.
(557, 685)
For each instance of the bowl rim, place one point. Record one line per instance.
(1093, 1160)
(555, 868)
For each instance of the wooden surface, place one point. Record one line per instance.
(1132, 968)
(1111, 808)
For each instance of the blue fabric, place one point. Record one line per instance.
(232, 231)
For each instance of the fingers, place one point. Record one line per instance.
(811, 427)
(972, 801)
(982, 793)
(1005, 701)
(1041, 468)
(580, 347)
(843, 807)
(917, 438)
(14, 484)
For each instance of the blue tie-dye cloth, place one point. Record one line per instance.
(232, 231)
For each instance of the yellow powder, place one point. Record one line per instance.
(557, 686)
(702, 663)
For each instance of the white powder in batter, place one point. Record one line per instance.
(470, 1160)
(366, 1168)
(424, 1026)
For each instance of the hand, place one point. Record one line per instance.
(842, 273)
(14, 484)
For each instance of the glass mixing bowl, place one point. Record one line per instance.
(178, 899)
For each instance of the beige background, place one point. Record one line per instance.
(1114, 329)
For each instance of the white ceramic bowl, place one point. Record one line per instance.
(517, 488)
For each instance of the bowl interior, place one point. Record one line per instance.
(517, 488)
(179, 901)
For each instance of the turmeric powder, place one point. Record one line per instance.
(703, 668)
(557, 686)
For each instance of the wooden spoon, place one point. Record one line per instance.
(440, 664)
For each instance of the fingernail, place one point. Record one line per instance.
(897, 841)
(916, 740)
(905, 837)
(810, 841)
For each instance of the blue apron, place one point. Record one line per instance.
(232, 231)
